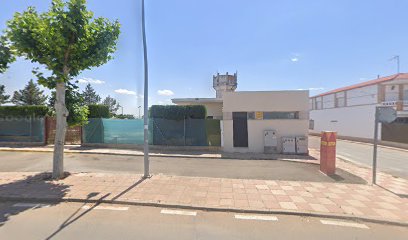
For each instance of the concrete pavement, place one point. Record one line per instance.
(357, 201)
(201, 167)
(390, 160)
(90, 221)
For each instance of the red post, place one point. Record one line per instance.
(328, 153)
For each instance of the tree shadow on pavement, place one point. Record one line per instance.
(76, 215)
(28, 192)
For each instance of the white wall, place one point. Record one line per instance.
(391, 93)
(328, 101)
(256, 128)
(356, 121)
(363, 95)
(267, 102)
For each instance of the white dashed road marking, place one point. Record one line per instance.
(106, 208)
(256, 217)
(344, 224)
(30, 205)
(178, 212)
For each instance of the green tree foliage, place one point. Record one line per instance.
(30, 95)
(98, 111)
(124, 116)
(66, 39)
(112, 104)
(90, 96)
(3, 97)
(6, 56)
(23, 111)
(176, 112)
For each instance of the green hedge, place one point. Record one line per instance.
(175, 112)
(98, 111)
(23, 111)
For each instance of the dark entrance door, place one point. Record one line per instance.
(240, 127)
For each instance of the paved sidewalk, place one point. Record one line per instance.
(386, 181)
(351, 200)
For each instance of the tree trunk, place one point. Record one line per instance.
(61, 115)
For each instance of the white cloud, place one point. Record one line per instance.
(165, 92)
(90, 80)
(294, 59)
(125, 91)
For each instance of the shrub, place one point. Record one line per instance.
(175, 112)
(98, 111)
(23, 111)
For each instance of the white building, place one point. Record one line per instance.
(350, 110)
(247, 115)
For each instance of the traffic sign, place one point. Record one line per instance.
(386, 114)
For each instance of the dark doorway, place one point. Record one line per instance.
(240, 127)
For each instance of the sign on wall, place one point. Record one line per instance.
(259, 115)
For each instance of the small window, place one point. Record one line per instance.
(311, 124)
(281, 115)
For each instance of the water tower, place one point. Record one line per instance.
(224, 83)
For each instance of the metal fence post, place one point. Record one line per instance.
(374, 173)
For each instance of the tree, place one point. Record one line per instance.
(6, 56)
(66, 39)
(3, 96)
(90, 96)
(112, 104)
(30, 95)
(78, 114)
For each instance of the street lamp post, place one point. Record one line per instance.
(145, 109)
(139, 111)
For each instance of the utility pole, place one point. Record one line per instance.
(139, 111)
(146, 91)
(397, 58)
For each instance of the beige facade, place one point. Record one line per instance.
(213, 105)
(268, 103)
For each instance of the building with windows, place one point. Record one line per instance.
(247, 116)
(350, 110)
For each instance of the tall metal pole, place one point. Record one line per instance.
(374, 177)
(146, 92)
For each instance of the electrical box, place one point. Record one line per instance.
(270, 141)
(289, 145)
(301, 145)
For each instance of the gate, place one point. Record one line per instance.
(72, 136)
(396, 131)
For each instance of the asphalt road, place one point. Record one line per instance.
(79, 221)
(391, 160)
(224, 168)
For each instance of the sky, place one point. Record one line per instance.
(273, 45)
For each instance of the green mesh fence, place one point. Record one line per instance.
(191, 132)
(188, 132)
(22, 129)
(113, 131)
(213, 132)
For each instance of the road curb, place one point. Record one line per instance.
(211, 209)
(164, 155)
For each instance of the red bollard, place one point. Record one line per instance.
(328, 153)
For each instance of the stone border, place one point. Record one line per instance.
(211, 209)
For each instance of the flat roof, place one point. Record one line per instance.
(367, 83)
(200, 100)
